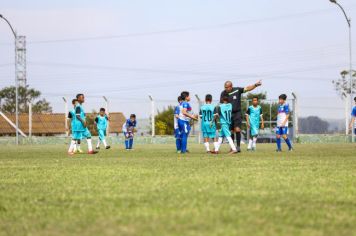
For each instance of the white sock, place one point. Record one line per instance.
(254, 142)
(232, 145)
(98, 145)
(90, 145)
(78, 147)
(218, 144)
(249, 144)
(207, 146)
(104, 142)
(71, 146)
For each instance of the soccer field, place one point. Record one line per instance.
(153, 191)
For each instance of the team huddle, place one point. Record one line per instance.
(79, 128)
(226, 120)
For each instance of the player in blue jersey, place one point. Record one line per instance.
(75, 142)
(176, 127)
(128, 129)
(101, 122)
(80, 125)
(353, 119)
(282, 123)
(254, 120)
(208, 126)
(184, 118)
(223, 112)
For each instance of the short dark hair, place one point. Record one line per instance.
(179, 98)
(255, 97)
(225, 98)
(133, 116)
(102, 109)
(184, 95)
(355, 99)
(208, 98)
(78, 95)
(283, 97)
(74, 101)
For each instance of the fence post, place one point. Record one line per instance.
(243, 117)
(107, 112)
(270, 120)
(30, 119)
(199, 120)
(152, 115)
(295, 117)
(65, 116)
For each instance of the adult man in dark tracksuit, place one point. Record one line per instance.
(234, 94)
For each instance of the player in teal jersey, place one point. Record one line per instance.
(208, 126)
(254, 118)
(224, 111)
(75, 142)
(80, 125)
(101, 122)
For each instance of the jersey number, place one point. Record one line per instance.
(228, 116)
(207, 116)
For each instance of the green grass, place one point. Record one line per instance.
(153, 191)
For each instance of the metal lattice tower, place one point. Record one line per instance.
(20, 54)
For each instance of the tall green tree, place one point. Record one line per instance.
(26, 95)
(164, 122)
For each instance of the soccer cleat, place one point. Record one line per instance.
(79, 151)
(249, 149)
(291, 149)
(92, 152)
(179, 152)
(238, 149)
(97, 148)
(232, 152)
(107, 147)
(279, 150)
(71, 153)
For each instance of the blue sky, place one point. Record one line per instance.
(128, 49)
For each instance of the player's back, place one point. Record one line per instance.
(225, 113)
(207, 113)
(77, 124)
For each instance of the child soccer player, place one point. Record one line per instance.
(254, 117)
(75, 142)
(101, 122)
(282, 123)
(176, 127)
(353, 119)
(128, 129)
(224, 111)
(80, 124)
(184, 119)
(208, 126)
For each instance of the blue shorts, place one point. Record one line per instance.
(282, 131)
(210, 135)
(176, 133)
(225, 131)
(102, 134)
(128, 135)
(77, 135)
(355, 131)
(184, 127)
(86, 134)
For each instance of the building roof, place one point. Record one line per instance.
(52, 124)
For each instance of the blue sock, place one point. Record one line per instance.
(184, 142)
(288, 143)
(279, 144)
(127, 144)
(178, 144)
(131, 143)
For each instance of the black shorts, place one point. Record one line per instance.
(236, 120)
